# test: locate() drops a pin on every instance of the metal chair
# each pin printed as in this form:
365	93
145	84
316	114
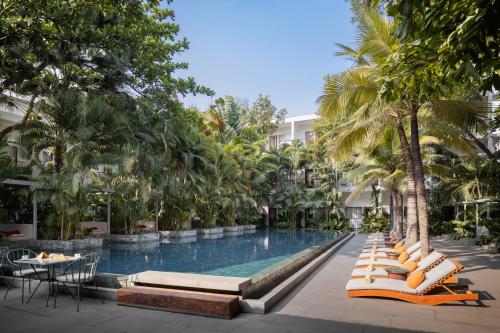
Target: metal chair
23	271
3	259
78	273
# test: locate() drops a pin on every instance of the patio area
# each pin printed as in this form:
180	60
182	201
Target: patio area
319	304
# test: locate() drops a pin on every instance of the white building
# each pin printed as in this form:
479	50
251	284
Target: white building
301	128
493	140
13	111
293	128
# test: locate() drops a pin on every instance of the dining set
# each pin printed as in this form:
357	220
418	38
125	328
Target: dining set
56	270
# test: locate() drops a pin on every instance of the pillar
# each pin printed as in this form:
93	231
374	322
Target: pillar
35	216
108	217
156	214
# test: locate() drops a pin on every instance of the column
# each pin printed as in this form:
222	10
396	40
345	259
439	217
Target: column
108	218
156	214
35	216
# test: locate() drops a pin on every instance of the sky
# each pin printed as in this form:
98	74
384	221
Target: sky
281	48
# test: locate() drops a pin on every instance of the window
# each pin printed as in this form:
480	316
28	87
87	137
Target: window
273	142
284	138
14	154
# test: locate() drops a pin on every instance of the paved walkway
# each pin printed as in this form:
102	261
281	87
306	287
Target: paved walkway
317	305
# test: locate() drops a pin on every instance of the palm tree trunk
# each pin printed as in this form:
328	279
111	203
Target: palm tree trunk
420	181
57	158
398	198
412	217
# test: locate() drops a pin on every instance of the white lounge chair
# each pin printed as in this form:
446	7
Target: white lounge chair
387	262
435	280
425	264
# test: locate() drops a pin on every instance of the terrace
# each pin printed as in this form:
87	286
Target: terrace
136	197
318	304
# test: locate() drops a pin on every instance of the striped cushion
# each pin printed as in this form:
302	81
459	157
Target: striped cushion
436	274
380	284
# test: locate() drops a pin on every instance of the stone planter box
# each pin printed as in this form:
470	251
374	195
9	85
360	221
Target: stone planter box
183	240
178	234
67	246
210	231
234	230
249	228
139	238
211	236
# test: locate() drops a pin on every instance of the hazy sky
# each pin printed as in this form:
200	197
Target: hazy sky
281	48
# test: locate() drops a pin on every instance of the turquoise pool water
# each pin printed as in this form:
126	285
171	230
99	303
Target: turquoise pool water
228	256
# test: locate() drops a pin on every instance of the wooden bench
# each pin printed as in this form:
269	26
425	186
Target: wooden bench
183	301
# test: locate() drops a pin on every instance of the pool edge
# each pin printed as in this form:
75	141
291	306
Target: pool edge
263	304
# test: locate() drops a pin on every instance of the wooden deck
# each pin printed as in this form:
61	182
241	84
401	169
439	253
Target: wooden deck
183	301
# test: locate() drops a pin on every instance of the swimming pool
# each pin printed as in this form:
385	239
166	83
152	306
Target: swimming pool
228	256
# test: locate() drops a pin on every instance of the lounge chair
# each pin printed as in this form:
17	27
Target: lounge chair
410	249
383	254
381	262
432	291
377	254
425	264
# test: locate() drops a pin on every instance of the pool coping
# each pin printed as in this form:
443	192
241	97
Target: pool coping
268	278
263	304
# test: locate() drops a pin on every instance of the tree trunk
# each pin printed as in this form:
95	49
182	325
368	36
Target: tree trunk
58	159
392	227
423	223
412	217
398	198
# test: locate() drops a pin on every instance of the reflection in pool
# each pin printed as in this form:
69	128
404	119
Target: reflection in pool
230	256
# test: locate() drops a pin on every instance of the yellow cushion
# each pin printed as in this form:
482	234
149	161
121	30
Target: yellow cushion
399	244
400	249
410	265
415	279
403	257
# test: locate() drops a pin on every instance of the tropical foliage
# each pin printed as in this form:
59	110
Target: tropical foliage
416	76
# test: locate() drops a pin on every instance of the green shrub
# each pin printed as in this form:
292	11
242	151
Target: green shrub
463	228
441	227
373	222
485	240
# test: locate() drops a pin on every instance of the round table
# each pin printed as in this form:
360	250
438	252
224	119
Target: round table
397	273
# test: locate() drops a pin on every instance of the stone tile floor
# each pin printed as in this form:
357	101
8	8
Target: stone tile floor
317	305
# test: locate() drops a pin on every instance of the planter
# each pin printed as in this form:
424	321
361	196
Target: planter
139	238
234	230
210	231
249	228
67	246
183	240
178	234
211	236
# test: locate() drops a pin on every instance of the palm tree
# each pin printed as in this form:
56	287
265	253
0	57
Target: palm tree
384	164
359	98
353	100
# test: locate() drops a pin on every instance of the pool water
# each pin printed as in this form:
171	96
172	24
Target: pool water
228	256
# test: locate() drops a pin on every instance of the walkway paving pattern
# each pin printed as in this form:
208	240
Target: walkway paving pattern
317	305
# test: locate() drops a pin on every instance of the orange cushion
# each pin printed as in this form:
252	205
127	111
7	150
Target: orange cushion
403	257
415	279
399	244
401	249
410	265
